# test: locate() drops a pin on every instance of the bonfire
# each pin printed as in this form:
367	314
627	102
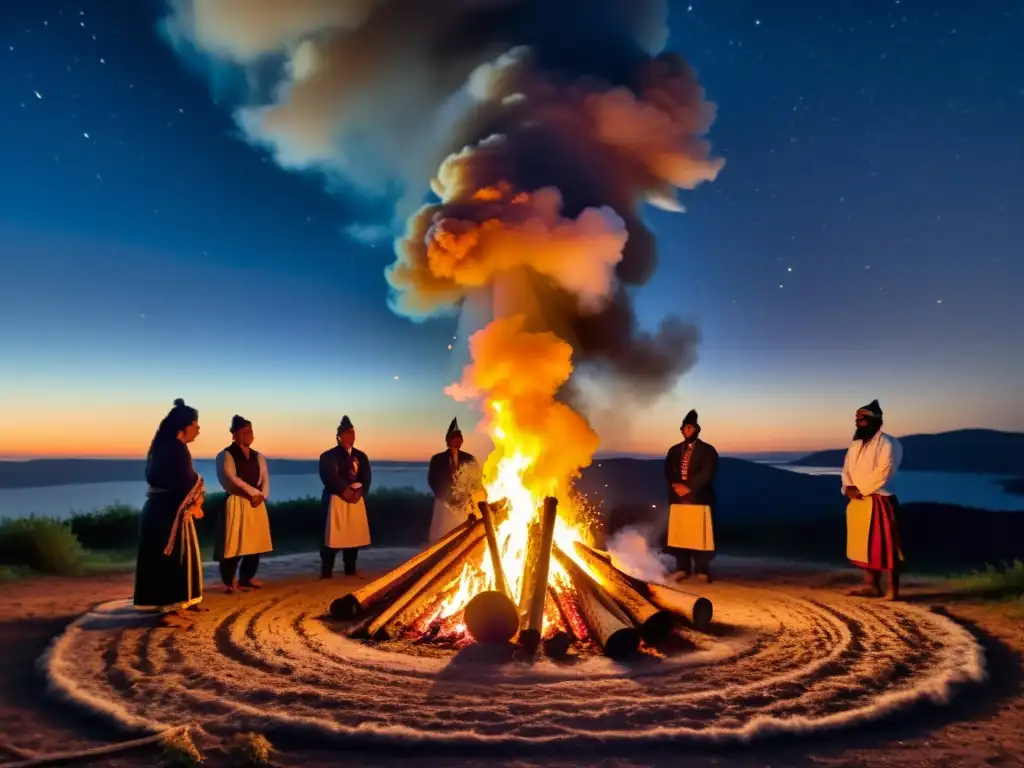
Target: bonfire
523	566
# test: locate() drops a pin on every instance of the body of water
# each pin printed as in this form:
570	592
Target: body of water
982	491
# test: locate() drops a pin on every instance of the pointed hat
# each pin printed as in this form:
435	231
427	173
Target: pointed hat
453	429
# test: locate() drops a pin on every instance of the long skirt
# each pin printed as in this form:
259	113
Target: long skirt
446	517
242	530
873	533
167	582
345	525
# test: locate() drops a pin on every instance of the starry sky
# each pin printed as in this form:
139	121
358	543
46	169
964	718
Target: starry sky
858	244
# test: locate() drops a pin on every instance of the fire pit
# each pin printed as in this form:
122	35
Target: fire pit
497	579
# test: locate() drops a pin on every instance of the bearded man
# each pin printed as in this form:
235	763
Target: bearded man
872	514
690	469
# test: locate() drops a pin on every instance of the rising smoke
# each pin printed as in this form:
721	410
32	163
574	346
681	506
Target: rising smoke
545	125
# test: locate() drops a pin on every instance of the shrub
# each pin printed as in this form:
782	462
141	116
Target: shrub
44	545
398	517
1004	579
113	527
250	749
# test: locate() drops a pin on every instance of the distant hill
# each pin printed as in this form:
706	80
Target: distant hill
39	473
977	451
746	490
763	509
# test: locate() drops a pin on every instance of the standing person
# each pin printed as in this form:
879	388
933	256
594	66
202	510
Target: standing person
169	568
872	514
243	533
690	469
345	473
450	477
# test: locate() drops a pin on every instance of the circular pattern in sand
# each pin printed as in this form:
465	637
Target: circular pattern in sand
273	662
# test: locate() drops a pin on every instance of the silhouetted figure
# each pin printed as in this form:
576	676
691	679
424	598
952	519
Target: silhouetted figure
690	469
452	477
345	473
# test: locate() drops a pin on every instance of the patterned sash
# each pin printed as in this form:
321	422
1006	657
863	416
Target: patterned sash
684	467
193	499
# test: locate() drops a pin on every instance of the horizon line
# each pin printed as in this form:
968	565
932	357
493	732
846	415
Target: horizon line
421	460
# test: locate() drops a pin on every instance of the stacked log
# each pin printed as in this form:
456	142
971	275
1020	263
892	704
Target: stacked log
601	603
427	586
609	627
535	577
695	609
393	583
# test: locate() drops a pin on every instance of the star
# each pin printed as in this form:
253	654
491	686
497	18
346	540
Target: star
38	94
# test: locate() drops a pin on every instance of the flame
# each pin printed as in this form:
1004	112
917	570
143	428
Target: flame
540	444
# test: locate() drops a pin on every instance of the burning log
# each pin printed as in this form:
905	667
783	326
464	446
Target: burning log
535	578
501	585
655	623
444	584
558	643
697	610
394	582
609	626
382	628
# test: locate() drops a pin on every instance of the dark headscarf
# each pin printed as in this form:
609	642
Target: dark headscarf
345	425
453	430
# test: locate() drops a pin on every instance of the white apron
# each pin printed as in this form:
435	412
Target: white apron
446	517
346	525
689	527
246	528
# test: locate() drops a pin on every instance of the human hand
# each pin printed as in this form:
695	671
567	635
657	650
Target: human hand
852	492
679	489
256	499
197	512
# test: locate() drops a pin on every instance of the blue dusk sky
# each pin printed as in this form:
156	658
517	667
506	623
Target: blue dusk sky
858	244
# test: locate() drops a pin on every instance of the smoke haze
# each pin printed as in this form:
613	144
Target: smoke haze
543	126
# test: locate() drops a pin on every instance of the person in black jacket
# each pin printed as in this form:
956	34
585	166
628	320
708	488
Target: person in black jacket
345	473
452	476
690	468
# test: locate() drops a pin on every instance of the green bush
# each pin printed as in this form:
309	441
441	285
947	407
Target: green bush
113	527
398	517
44	545
1005	579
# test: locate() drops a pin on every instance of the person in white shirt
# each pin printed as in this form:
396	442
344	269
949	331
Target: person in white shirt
873	543
243	531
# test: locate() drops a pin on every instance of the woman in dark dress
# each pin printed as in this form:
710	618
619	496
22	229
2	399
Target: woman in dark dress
169	568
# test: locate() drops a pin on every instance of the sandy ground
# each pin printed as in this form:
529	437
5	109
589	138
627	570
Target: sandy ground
984	726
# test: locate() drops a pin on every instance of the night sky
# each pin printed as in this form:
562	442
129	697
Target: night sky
859	243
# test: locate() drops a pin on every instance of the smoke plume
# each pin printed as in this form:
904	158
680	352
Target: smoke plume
545	124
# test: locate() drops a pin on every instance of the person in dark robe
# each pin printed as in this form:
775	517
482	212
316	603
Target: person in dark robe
872	515
345	473
243	531
169	568
690	469
452	476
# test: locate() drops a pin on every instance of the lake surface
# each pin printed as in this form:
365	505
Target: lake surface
982	491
